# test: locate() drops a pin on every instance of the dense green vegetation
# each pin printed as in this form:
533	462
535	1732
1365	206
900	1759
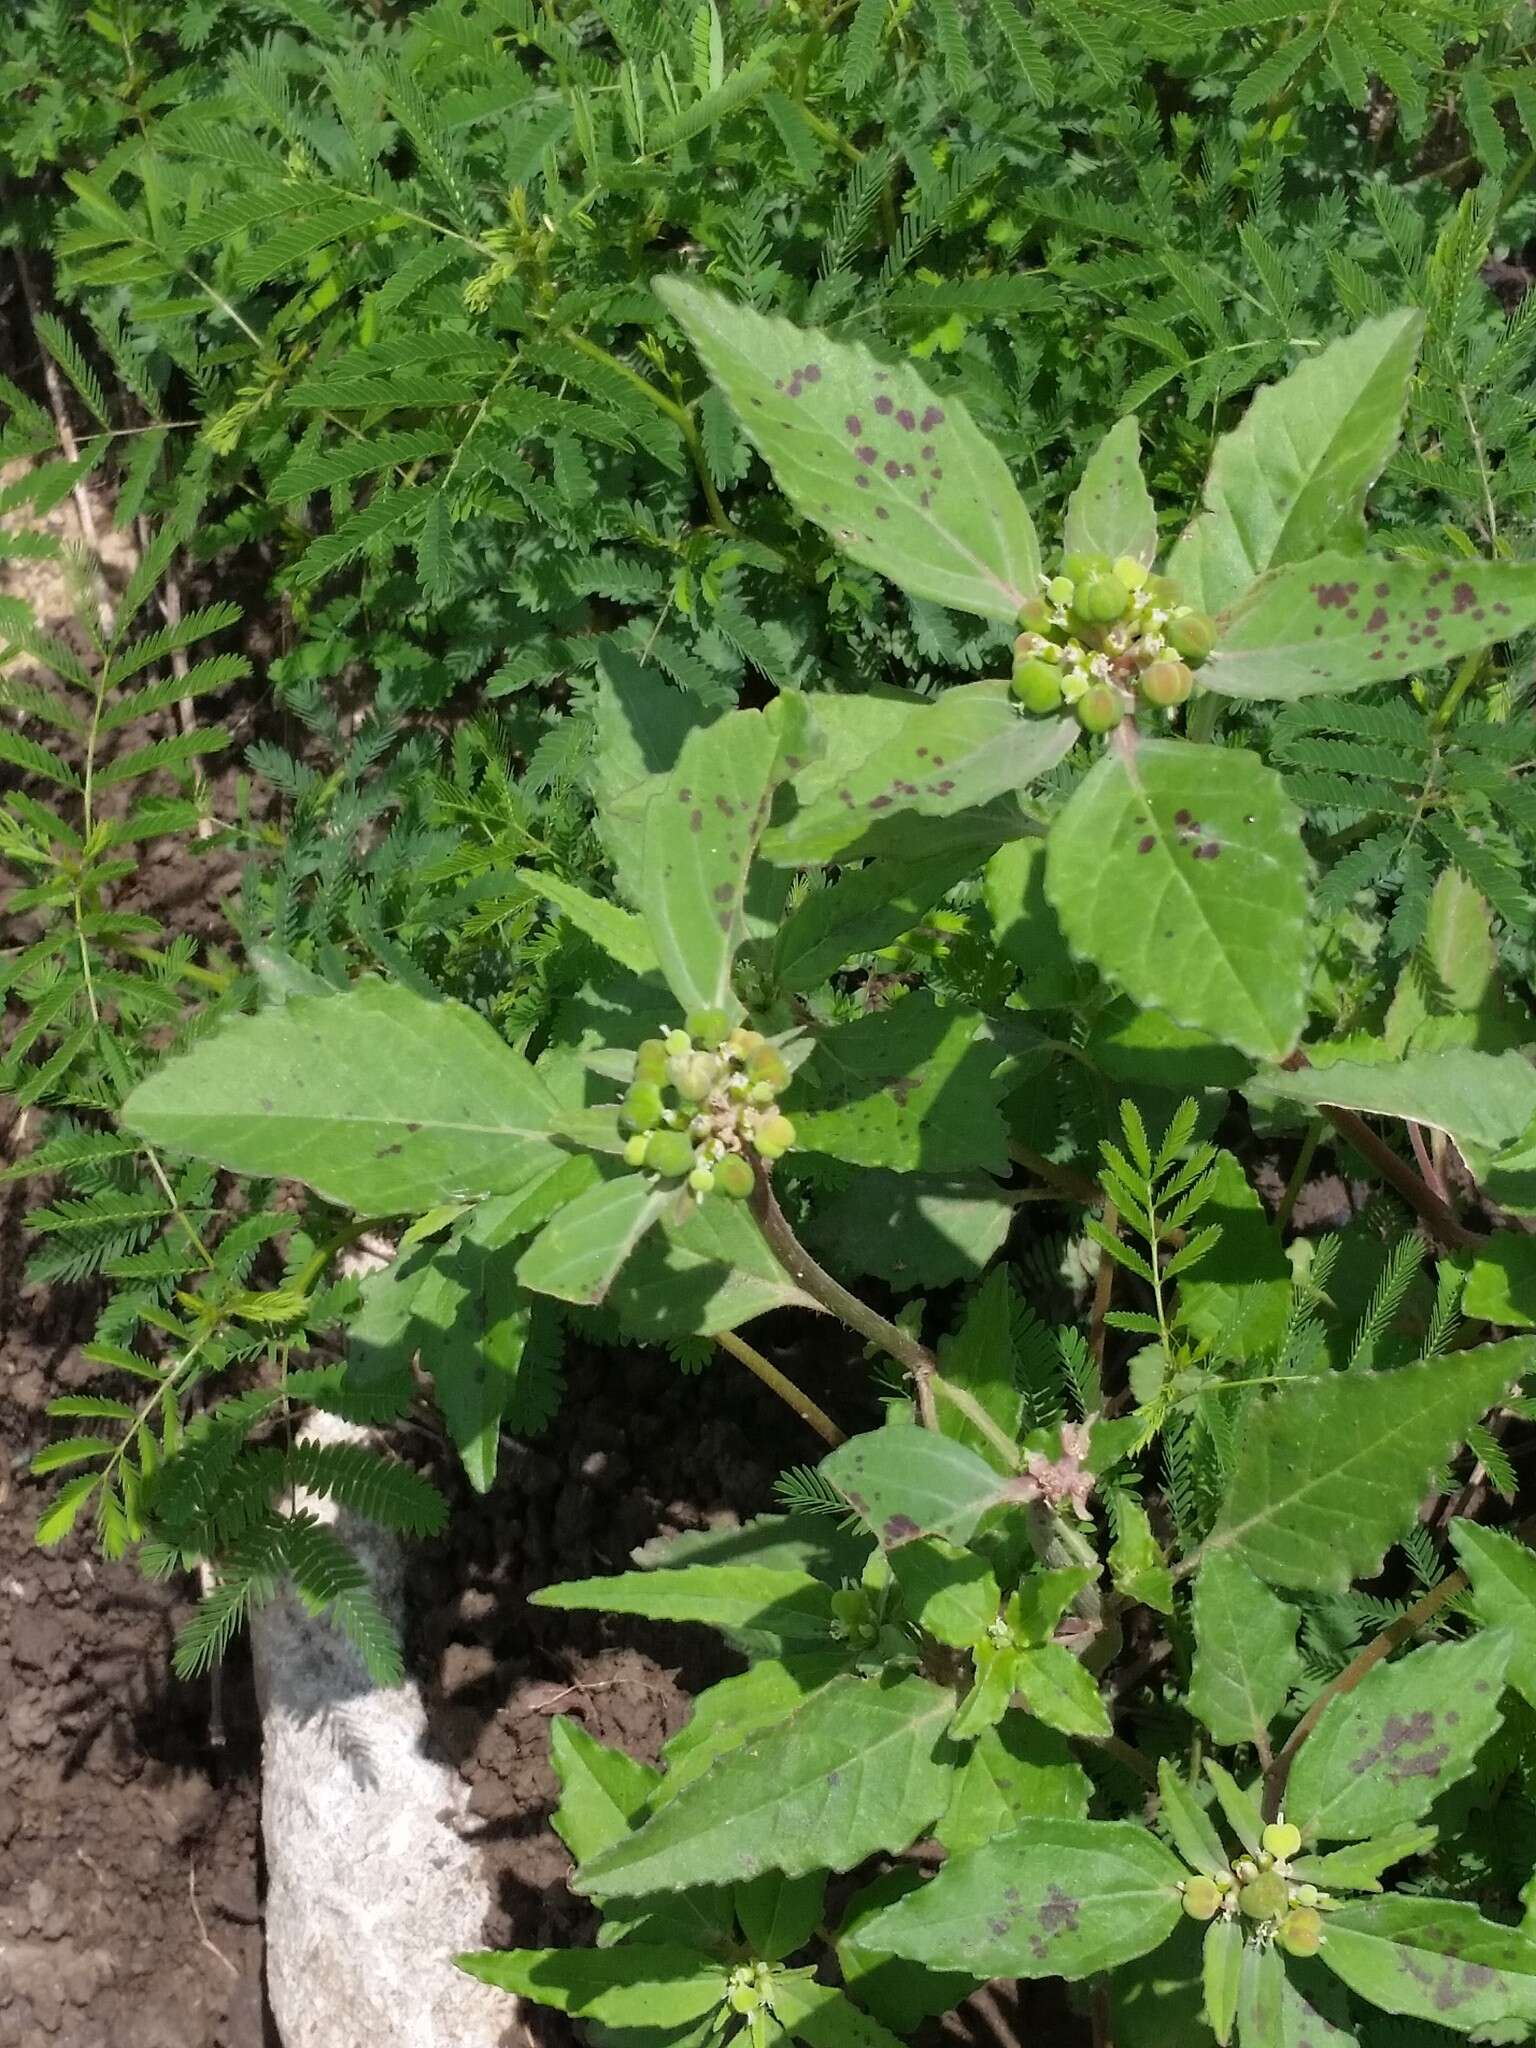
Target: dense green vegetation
827	752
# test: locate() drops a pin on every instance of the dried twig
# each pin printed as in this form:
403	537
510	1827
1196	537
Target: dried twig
59	407
202	1931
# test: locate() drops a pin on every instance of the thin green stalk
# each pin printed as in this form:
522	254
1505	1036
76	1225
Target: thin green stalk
679	415
967	1405
1450	703
791	1395
1299	1172
915	1358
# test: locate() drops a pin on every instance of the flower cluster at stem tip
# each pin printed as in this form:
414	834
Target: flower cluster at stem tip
1102	634
1262	1888
702	1101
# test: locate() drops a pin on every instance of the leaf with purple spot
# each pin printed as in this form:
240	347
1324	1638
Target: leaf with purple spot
1054	1898
957	753
1435	1960
1180	872
701	833
860	1766
900	476
1382	1754
906	1484
1337	622
1290	479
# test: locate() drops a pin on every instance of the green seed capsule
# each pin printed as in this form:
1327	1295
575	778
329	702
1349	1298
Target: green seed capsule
1191	634
733	1177
1060	589
669	1153
1131	572
676	1043
642	1106
1081	567
651	1062
1037	685
635	1148
1282	1838
1266	1898
774	1136
707	1027
1202	1901
1101	600
1305	1895
742	1040
1100	708
766	1063
1035	615
693	1075
1166	683
1300	1933
702	1180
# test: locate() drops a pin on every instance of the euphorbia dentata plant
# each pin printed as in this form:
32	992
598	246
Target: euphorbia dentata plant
949	1668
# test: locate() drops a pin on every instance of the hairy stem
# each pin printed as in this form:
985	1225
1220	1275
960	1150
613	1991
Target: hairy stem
791	1395
967	1405
1076	1185
914	1357
1423	1200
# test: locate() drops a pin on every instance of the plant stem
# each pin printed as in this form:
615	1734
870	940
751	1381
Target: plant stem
1103	1292
967	1405
1426	1165
797	1262
1299	1172
785	1388
679	415
1116	1746
1421	1199
309	1274
1450	703
1102	2017
1076	1185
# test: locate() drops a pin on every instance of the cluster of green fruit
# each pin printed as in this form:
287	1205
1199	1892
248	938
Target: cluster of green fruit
703	1100
1102	634
1259	1887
